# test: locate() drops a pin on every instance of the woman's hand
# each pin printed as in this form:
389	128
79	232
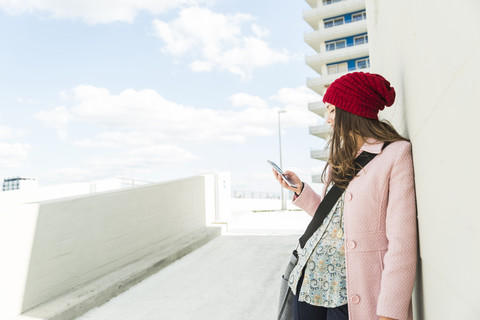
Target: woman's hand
296	180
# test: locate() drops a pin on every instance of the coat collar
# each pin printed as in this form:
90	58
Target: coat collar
371	145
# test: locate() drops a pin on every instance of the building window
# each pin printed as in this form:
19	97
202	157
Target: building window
359	16
360	40
327	2
334	22
363	63
334	45
337	68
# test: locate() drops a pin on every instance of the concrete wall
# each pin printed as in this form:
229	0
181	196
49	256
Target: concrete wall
429	51
219	195
51	247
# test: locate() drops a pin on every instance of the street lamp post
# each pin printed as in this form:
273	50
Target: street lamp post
280	148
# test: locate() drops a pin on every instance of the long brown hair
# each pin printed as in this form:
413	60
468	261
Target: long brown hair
343	146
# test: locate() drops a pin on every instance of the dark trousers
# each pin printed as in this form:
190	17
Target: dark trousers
305	311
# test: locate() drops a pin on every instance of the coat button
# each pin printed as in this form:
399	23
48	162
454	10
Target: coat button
355	299
348	196
351	244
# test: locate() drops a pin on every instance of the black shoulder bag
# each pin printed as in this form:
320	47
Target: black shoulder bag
285	310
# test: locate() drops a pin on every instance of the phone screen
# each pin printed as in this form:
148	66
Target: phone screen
280	171
277	168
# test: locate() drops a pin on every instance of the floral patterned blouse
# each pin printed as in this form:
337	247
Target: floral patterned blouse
323	257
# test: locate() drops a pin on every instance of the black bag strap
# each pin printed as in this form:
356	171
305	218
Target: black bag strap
332	197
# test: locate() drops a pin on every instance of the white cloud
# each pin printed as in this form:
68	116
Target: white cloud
295	101
136	118
245	99
13	155
57	119
127	162
296	96
136	132
94	11
259	31
216	41
7	132
148	112
27	100
201	66
116	140
147	157
69	174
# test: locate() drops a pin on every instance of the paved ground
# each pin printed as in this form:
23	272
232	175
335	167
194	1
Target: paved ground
235	276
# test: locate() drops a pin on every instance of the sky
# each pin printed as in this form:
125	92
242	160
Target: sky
154	90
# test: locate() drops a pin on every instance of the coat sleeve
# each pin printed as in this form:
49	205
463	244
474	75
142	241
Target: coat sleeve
398	275
308	200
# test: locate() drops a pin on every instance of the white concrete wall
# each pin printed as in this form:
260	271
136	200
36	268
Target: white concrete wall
51	247
223	192
219	195
17	232
429	51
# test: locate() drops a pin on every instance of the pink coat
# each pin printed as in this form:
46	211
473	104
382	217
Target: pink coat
380	233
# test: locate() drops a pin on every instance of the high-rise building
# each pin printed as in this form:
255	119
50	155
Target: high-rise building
19	183
340	41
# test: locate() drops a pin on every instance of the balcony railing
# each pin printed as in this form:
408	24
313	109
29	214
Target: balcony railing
317	14
318	60
329	2
320	84
314	39
312	3
321	131
317	107
255	195
319	154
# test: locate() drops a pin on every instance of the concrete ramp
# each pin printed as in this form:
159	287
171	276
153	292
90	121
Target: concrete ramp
233	277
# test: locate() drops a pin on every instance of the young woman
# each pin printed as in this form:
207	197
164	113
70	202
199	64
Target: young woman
360	264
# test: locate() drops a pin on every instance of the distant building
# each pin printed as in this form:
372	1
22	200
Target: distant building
340	40
19	183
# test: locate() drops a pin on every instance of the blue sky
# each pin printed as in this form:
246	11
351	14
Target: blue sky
154	90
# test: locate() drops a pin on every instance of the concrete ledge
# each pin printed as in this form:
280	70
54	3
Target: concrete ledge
93	294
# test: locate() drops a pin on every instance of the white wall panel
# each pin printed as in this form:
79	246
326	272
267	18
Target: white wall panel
428	50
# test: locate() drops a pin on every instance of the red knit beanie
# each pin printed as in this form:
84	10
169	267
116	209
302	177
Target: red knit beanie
360	93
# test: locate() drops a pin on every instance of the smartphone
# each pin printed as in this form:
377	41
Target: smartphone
280	171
